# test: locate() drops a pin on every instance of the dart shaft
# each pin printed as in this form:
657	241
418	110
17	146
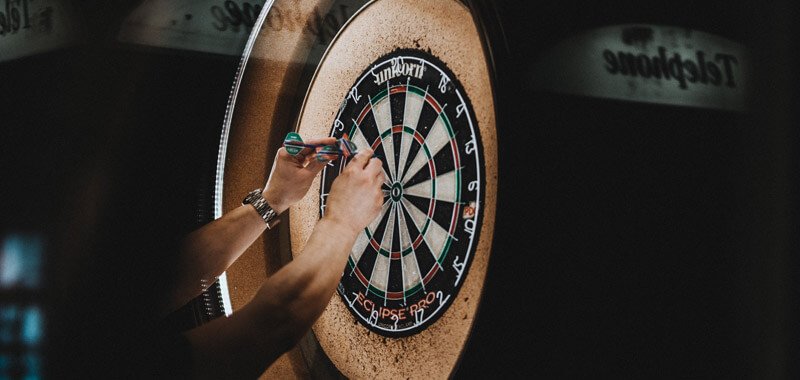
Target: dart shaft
342	154
302	145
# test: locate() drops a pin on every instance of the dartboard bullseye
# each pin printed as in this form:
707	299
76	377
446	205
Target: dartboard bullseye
407	266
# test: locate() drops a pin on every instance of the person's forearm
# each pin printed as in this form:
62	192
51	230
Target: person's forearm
305	285
282	311
210	250
289	302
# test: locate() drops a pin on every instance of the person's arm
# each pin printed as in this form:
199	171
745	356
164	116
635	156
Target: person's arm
211	249
289	302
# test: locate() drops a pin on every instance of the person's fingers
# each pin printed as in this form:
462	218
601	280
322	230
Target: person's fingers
315	166
361	159
283	156
321	140
374	167
283	153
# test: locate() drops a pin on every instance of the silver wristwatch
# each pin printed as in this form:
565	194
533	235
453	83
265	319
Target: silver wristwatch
256	199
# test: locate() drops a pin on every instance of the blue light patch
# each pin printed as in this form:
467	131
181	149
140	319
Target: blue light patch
21	261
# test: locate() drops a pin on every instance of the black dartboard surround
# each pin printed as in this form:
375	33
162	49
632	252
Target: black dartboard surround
408	265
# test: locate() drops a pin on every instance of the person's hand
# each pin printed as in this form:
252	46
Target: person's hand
291	176
355	199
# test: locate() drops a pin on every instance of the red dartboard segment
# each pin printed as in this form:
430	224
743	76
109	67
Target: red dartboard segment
364	113
374	243
394	295
361	277
430	274
419	138
433	103
397	89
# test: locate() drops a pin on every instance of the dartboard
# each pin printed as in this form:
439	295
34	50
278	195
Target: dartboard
409	262
412	80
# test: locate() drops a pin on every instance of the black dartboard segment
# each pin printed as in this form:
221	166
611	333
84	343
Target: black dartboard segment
407	266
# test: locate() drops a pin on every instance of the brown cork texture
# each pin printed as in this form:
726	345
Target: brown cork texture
446	29
261	118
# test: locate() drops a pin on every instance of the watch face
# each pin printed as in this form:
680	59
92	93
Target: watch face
407	266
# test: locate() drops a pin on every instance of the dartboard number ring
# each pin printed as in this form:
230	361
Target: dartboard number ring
407	266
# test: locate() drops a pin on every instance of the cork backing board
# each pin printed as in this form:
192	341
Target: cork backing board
444	28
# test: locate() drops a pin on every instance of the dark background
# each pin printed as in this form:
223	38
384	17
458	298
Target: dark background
632	240
638	240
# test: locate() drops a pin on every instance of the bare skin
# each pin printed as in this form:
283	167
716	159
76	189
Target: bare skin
288	303
211	249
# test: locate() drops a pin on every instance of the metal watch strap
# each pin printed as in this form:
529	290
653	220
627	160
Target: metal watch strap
256	199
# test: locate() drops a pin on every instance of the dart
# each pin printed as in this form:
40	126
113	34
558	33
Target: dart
294	144
343	147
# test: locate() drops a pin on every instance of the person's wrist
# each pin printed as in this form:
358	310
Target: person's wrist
274	201
340	225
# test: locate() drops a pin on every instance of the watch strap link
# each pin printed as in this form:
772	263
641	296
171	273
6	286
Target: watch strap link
256	199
